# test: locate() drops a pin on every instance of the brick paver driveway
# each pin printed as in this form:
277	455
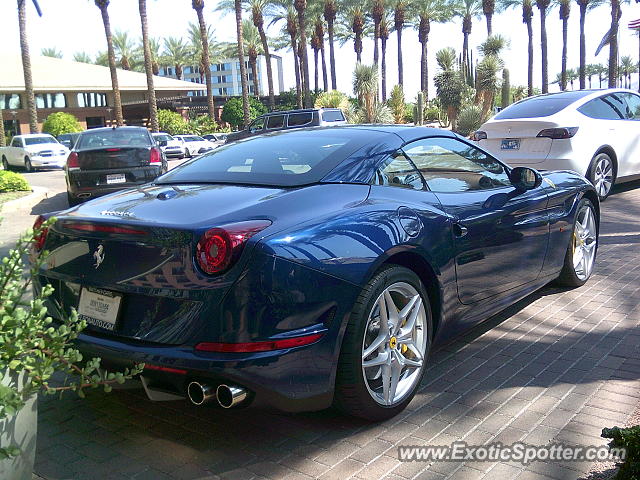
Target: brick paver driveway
559	366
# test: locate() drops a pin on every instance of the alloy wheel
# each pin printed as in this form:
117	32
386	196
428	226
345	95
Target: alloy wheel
585	240
394	344
603	175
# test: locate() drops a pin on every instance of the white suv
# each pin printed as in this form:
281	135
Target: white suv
194	145
169	145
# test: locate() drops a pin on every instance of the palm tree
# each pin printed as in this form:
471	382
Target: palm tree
365	87
125	50
198	6
289	16
51	52
384	36
616	13
590	70
488	8
253	47
572	76
102	59
585	6
603	72
356	27
426	12
243	67
258	9
82	57
377	12
627	67
148	66
301	8
542	6
527	19
154	50
565	11
467	10
111	57
26	67
319	32
317	45
176	53
449	84
195	48
330	11
399	22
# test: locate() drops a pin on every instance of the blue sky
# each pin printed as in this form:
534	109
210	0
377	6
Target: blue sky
75	25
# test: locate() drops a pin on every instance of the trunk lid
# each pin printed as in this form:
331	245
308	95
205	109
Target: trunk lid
113	158
531	149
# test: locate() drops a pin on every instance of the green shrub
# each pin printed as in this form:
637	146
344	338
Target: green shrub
469	120
61	122
173	123
629	439
13	182
232	111
203	124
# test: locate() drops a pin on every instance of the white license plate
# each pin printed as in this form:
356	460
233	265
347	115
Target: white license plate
510	144
116	178
99	307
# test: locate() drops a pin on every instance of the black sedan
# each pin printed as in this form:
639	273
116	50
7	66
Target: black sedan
105	160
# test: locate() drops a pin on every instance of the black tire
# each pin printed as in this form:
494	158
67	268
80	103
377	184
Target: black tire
594	173
351	394
27	165
5	164
187	153
568	276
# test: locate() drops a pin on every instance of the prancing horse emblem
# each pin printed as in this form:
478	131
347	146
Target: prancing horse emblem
98	255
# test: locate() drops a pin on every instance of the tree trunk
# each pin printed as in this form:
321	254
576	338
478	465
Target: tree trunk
383	68
243	67
26	67
613	44
530	62
332	56
148	67
357	41
583	47
424	71
267	58
207	62
325	81
489	17
315	70
563	73
400	70
543	45
296	66
465	50
376	35
112	67
304	59
253	62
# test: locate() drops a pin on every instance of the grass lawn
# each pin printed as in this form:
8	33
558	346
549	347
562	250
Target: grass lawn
5	197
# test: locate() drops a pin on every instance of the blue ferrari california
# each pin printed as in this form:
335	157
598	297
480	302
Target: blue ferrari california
313	267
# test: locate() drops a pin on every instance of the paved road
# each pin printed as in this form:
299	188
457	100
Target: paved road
557	367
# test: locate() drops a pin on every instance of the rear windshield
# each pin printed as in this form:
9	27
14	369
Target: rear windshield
193	139
332	116
298	157
38	140
535	107
163	138
114	138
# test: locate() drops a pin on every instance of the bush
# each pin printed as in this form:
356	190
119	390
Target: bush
61	122
629	439
469	120
203	124
13	182
233	114
173	123
332	99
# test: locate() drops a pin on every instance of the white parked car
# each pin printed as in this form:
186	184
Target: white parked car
194	144
169	145
34	151
593	132
218	139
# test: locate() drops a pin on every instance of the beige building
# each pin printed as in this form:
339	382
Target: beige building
81	89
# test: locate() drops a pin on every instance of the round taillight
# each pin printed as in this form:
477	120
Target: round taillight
214	251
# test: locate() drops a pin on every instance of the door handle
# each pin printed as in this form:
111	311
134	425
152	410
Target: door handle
459	230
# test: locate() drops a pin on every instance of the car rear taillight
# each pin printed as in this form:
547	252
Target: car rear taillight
154	156
40	233
478	135
72	160
558	133
219	248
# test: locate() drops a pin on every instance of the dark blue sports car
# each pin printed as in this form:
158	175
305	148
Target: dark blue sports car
314	267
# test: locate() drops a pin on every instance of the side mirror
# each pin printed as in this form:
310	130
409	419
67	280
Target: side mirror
525	178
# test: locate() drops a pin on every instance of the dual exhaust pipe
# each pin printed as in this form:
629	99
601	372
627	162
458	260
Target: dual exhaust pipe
227	396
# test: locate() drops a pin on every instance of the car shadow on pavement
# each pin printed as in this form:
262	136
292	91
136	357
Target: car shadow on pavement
54	203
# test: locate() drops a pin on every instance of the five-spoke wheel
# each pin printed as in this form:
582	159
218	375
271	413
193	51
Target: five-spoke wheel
583	245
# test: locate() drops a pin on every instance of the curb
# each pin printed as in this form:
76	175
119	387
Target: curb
37	194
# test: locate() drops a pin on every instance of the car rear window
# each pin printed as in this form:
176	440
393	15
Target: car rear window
299	119
298	157
39	140
332	116
163	138
114	138
535	107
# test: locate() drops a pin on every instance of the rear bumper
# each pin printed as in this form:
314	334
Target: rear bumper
92	183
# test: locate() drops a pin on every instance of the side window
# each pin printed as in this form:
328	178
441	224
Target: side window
16	142
299	119
398	171
601	108
449	165
257	124
633	105
275	121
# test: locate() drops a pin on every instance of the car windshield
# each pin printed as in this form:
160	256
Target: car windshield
193	139
39	140
543	106
114	138
163	138
290	159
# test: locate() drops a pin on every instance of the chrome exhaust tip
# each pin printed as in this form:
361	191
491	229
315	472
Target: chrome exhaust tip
199	393
84	195
230	396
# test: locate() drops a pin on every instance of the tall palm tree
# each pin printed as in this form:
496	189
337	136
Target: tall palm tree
195	48
176	53
424	13
317	45
385	23
543	5
154	49
330	11
319	31
243	67
489	8
571	75
82	57
26	67
355	27
301	7
616	13
125	50
399	22
527	19
590	70
102	59
198	6
148	66
365	86
377	12
468	10
51	52
627	67
258	10
565	11
287	14
111	57
252	44
585	6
